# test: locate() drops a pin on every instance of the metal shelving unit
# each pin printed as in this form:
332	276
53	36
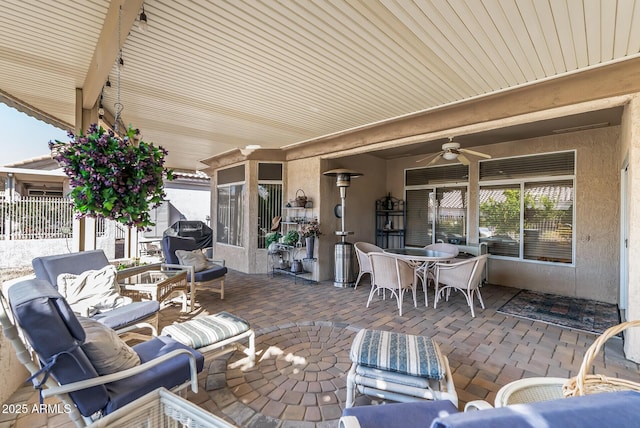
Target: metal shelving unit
390	222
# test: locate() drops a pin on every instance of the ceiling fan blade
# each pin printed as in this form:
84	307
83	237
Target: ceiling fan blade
463	160
473	152
434	160
429	157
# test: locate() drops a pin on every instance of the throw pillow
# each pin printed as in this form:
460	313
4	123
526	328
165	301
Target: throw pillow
195	258
105	349
92	291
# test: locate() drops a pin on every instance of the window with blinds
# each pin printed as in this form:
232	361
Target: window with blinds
419	222
499	224
436	211
527	212
269	197
230	209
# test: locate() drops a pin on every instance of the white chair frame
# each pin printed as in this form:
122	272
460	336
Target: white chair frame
393	274
464	276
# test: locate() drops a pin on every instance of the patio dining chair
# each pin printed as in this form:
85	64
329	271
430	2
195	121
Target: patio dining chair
427	270
464	276
362	253
393	274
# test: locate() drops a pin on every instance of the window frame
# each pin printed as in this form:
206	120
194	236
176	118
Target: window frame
277	213
228	186
523	182
433	189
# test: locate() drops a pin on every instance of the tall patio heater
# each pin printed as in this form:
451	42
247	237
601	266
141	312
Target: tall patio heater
344	265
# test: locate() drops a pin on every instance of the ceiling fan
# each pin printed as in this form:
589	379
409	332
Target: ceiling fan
451	151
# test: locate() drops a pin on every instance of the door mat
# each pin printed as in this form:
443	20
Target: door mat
580	314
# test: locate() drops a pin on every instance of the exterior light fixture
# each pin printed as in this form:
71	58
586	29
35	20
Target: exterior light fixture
142	23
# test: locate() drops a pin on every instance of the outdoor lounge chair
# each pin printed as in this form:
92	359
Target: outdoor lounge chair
213	270
122	319
398	367
615	409
66	351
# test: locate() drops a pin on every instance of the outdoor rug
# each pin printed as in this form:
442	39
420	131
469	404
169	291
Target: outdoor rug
580	314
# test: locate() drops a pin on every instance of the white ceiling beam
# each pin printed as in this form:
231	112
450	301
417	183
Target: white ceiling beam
106	51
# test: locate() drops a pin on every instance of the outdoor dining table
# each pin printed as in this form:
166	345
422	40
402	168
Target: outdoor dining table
421	259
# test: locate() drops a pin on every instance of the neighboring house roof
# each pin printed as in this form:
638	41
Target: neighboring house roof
44	162
44	169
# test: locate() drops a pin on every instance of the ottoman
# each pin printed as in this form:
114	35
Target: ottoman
222	331
398	367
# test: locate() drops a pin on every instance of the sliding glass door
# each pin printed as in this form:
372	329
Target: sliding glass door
436	214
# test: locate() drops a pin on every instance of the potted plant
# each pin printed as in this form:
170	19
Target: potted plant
272	238
291	238
116	178
309	231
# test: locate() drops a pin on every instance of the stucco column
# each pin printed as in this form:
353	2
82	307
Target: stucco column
632	340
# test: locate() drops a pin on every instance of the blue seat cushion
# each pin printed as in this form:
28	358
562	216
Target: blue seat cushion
170	244
200	332
169	374
416	414
210	273
49	267
609	409
128	314
55	334
397	352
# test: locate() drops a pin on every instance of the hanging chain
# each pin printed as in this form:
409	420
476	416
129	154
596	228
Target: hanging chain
118	105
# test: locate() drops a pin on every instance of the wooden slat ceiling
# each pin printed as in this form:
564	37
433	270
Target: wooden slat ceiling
210	76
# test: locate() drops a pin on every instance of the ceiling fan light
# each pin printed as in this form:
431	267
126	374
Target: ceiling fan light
449	155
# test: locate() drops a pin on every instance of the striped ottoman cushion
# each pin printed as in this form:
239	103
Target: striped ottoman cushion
397	352
200	332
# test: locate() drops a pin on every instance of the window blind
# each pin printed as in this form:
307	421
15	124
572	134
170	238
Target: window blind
545	165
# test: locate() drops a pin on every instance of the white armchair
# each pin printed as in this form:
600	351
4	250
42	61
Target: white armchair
393	274
362	251
464	276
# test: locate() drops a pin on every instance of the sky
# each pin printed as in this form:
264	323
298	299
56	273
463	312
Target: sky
23	137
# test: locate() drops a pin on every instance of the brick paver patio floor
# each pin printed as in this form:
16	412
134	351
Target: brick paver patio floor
303	335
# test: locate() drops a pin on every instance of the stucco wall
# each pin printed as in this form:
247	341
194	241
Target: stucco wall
236	258
360	202
19	253
193	204
631	130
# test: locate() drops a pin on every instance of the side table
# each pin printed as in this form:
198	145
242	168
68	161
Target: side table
156	284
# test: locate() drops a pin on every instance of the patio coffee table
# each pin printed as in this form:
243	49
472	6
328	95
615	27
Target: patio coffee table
162	408
156	284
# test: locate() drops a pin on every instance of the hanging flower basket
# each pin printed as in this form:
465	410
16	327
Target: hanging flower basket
112	177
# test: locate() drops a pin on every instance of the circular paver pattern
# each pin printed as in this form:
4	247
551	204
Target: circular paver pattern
299	375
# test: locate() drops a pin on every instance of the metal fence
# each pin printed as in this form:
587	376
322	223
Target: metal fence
36	217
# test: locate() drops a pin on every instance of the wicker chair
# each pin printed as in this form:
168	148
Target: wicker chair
362	251
586	383
393	274
464	276
427	270
530	390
